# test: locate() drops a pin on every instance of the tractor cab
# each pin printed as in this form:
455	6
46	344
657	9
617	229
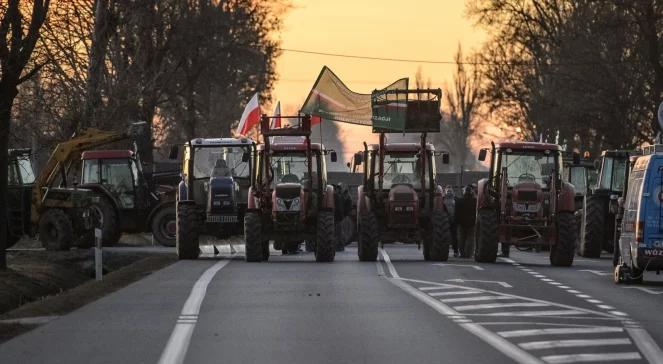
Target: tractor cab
117	171
20	180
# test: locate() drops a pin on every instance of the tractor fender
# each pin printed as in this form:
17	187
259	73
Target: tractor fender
155	209
182	193
566	198
328	198
363	202
103	191
482	194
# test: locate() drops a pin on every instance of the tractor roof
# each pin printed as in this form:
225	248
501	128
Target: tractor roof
13	153
528	146
619	153
285	147
401	147
107	154
221	141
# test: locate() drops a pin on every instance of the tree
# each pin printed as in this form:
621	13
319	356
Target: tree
17	42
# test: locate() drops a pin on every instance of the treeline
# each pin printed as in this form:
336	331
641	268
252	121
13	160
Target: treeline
586	73
185	67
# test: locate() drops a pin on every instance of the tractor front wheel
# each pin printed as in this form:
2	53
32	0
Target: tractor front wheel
56	231
107	221
561	254
485	236
187	234
253	234
164	226
325	246
593	227
438	238
367	248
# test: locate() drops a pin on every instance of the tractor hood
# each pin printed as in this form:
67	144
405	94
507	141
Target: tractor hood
527	199
287	197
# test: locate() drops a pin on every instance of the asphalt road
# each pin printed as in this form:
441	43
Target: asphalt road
401	309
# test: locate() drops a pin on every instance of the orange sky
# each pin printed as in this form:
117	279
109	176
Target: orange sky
429	30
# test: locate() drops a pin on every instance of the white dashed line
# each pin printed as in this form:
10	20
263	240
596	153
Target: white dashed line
552	344
560	331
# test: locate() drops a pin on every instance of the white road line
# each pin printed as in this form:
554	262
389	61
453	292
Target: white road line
488	306
560	331
606	307
646	344
536	313
512	351
650	291
392	269
453	293
434	288
178	343
476	267
577	358
472	299
552	344
380	269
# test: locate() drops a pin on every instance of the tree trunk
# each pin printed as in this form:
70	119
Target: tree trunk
100	37
7	95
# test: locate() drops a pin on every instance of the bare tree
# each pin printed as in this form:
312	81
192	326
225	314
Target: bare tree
17	41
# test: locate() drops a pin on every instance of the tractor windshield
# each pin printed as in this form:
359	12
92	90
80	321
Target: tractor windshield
220	161
402	168
578	178
525	166
293	168
613	174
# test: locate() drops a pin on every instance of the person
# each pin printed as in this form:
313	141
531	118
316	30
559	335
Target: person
220	169
466	209
449	200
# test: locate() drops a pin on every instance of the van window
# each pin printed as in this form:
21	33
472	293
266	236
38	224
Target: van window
632	200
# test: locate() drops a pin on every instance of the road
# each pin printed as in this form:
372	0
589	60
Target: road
400	309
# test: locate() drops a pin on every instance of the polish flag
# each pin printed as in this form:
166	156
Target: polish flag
250	117
276	122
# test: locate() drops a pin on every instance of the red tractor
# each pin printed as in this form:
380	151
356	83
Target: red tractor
290	200
525	202
399	199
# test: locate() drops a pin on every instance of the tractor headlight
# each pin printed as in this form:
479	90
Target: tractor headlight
295	204
398	208
409	208
280	205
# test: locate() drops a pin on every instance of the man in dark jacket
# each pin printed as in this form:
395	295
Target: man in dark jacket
466	210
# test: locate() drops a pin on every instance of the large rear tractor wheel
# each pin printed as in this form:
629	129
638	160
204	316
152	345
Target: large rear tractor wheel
325	246
107	221
164	226
593	227
438	238
561	254
56	231
367	247
485	249
253	235
187	235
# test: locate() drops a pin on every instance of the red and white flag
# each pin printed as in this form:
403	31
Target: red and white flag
250	116
276	121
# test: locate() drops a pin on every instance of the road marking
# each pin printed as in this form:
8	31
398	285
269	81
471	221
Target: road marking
453	293
434	288
535	313
460	280
606	307
380	269
387	260
560	331
553	344
459	265
505	347
575	358
646	344
178	343
472	299
597	272
487	306
650	291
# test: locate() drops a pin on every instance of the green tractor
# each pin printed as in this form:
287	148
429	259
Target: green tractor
600	205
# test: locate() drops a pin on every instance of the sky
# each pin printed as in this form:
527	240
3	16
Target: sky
415	29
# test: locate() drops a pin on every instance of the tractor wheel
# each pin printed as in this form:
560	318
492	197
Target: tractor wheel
56	231
107	221
616	253
265	250
187	232
438	237
594	226
367	247
561	254
340	236
325	246
485	236
164	226
253	235
309	246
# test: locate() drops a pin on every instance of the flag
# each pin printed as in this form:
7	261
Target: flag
250	116
276	122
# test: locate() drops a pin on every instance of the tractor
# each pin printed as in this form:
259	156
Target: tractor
601	209
130	201
21	178
580	172
216	176
525	202
290	200
399	199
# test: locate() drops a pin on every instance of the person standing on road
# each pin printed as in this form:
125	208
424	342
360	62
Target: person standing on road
466	210
449	201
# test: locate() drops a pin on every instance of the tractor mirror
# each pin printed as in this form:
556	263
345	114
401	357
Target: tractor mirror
359	159
445	158
174	151
482	154
334	157
576	158
246	157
